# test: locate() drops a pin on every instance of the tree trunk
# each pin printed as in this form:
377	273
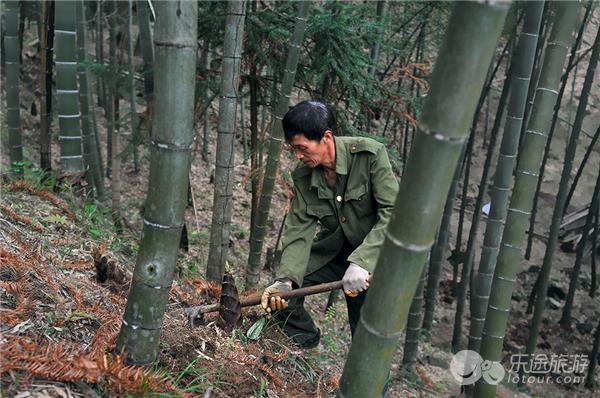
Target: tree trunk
13	115
224	163
439	249
468	47
561	92
382	10
509	258
66	87
147	48
521	69
135	134
91	159
465	277
590	381
206	87
561	196
588	152
100	81
275	144
46	55
113	118
108	99
413	327
592	212
170	156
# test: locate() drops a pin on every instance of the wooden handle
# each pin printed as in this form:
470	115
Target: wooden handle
193	312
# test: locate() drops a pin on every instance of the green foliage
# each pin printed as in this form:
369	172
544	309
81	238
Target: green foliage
263	387
254	332
192	379
57	219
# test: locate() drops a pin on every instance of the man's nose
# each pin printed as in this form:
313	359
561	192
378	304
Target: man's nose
298	155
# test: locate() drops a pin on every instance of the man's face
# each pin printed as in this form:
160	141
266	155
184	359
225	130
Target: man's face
310	152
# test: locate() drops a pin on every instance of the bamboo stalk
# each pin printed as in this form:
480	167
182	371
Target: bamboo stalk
67	92
521	70
510	255
468	47
224	163
561	196
170	155
275	146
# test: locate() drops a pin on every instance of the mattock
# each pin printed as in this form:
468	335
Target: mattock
230	305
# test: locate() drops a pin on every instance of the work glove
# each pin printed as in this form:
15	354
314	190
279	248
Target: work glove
355	280
270	301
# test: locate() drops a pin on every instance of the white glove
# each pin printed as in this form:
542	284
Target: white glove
355	280
270	301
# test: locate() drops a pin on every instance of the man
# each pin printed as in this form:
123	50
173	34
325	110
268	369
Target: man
344	187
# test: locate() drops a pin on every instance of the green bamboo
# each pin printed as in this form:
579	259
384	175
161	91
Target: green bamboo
382	11
561	196
580	169
519	210
521	69
46	67
468	47
170	157
206	87
147	48
583	243
413	327
132	110
593	270
90	151
590	381
66	87
275	145
113	118
565	78
243	130
13	117
110	80
466	166
465	277
224	163
100	84
439	249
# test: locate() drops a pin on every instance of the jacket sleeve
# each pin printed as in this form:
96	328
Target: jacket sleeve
298	234
385	189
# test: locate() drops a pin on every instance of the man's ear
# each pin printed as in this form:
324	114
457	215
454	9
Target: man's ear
328	134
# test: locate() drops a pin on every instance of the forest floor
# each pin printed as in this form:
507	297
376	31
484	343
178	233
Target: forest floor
58	322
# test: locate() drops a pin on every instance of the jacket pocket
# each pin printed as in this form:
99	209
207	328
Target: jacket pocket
358	199
324	213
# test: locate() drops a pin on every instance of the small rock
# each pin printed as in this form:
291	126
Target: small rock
554	304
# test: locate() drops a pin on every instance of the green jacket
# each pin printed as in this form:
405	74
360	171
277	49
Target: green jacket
359	210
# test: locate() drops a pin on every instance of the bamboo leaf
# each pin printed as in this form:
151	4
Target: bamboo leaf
254	332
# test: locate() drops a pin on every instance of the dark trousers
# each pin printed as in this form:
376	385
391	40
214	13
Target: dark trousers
296	321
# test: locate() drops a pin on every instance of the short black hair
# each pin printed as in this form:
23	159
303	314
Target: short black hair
311	118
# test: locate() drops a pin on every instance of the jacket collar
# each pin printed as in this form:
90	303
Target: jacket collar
317	178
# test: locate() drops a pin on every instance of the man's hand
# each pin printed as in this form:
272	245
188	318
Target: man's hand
270	301
355	280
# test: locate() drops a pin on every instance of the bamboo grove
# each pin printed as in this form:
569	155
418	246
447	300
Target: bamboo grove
488	110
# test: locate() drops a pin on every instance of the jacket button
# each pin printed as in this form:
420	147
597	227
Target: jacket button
338	198
354	147
343	219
